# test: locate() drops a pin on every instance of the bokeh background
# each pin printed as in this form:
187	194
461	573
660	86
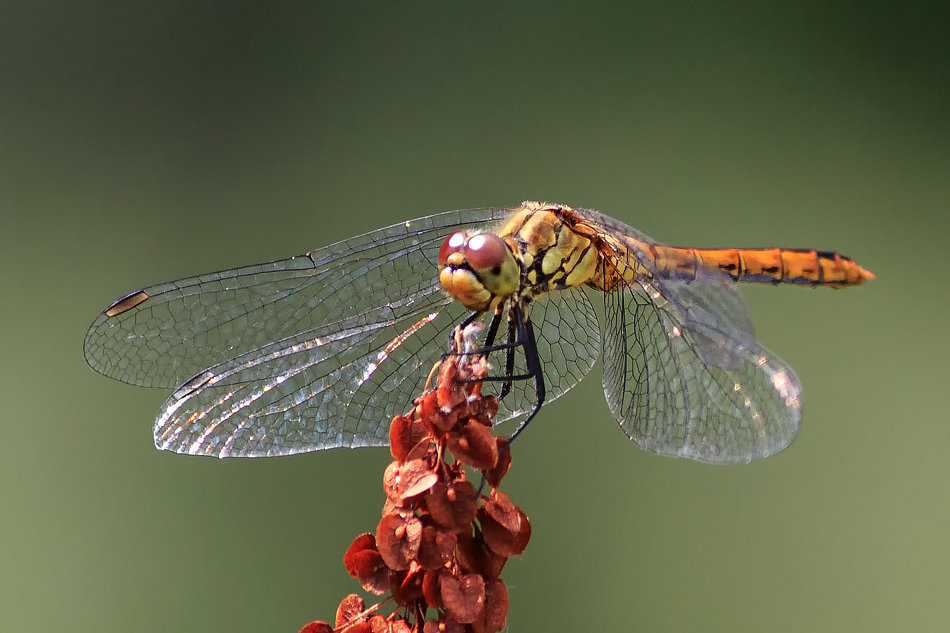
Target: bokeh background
141	142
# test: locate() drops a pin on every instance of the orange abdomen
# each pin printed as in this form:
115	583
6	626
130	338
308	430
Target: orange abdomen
763	265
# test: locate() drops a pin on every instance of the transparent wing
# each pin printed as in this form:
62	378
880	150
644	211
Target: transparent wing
683	374
336	385
316	351
684	380
340	385
567	335
184	326
300	354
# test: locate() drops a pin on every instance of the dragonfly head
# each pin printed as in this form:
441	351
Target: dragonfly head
478	270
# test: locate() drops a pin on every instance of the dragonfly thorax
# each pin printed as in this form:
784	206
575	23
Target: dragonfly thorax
554	253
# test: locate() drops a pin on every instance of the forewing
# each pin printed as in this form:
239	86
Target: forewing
337	385
340	385
685	378
186	326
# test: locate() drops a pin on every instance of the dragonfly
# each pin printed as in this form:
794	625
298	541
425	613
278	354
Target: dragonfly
322	350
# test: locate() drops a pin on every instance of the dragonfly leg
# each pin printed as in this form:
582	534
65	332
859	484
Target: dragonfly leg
520	334
526	340
490	336
509	361
533	364
493	328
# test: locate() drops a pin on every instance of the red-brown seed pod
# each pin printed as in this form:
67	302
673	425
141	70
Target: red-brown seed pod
349	610
476	557
437	547
397	626
464	597
407	585
509	539
431	592
453	505
397	539
445	624
404	434
378	624
363	561
433	417
493	617
415	478
495	474
474	445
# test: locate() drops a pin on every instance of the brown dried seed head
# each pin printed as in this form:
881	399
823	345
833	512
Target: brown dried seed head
391	482
405	433
474	445
488	406
397	539
317	626
363	561
463	598
350	608
407	585
430	587
437	547
445	624
392	507
495	613
422	450
360	543
501	539
434	418
476	557
495	474
378	624
415	478
501	508
453	505
400	626
448	391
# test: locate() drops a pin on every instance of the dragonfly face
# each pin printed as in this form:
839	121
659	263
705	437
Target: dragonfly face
479	271
322	350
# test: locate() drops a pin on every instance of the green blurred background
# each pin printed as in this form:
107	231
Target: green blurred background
141	142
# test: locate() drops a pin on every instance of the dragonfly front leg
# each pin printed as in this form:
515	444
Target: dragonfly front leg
520	335
532	361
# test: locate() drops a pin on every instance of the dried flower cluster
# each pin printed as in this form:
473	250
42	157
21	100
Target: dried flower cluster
441	545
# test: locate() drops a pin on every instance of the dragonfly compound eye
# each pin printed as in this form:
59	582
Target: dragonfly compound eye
477	270
486	252
452	244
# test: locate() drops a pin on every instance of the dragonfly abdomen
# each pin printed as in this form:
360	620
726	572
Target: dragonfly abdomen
763	265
